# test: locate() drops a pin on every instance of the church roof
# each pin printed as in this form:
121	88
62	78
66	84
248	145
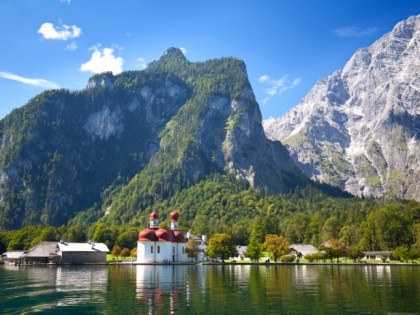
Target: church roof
154	215
161	235
154	234
174	215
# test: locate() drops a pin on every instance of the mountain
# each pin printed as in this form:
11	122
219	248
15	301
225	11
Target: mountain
359	128
129	140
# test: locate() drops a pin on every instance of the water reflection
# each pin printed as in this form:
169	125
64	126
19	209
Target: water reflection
270	289
214	289
71	282
46	288
161	287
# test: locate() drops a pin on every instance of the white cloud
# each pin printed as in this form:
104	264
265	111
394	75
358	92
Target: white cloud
276	87
32	82
117	47
355	31
264	78
95	47
184	50
102	61
61	32
65	1
72	46
141	63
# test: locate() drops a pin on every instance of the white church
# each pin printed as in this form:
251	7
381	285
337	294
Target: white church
158	245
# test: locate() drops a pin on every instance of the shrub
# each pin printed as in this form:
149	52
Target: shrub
287	259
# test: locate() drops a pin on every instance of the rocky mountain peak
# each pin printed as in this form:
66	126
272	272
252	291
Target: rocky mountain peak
173	53
143	136
359	128
105	79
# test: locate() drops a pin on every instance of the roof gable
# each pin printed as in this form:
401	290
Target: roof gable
43	249
14	254
303	248
82	247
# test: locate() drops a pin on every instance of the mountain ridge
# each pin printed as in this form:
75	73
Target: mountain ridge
143	135
359	128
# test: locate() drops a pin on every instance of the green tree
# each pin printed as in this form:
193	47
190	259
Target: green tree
369	235
48	233
163	225
221	246
348	235
116	251
310	257
259	229
416	235
254	250
393	226
314	228
331	229
338	248
414	252
192	248
402	253
354	253
133	252
328	252
125	252
3	241
103	234
75	234
287	258
128	238
315	257
276	245
296	227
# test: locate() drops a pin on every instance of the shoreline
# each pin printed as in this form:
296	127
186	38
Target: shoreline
364	264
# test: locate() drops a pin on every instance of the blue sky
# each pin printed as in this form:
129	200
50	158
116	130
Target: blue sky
287	45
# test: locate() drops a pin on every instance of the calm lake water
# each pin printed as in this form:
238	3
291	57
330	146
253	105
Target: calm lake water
240	289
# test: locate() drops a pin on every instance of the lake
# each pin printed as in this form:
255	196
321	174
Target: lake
211	289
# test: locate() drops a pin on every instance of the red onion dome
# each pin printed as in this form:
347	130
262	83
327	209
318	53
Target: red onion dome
174	215
148	235
163	235
179	237
154	215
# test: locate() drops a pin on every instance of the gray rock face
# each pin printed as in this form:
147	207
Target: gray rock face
103	79
240	146
104	124
359	128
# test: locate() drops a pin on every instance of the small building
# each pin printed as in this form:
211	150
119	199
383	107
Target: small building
82	253
65	253
301	250
241	253
201	244
42	253
377	255
13	256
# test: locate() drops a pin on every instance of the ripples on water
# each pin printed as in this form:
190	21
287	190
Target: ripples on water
240	289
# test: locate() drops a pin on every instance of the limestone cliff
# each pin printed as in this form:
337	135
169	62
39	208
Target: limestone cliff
359	128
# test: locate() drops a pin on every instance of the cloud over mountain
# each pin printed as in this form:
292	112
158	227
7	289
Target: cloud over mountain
103	61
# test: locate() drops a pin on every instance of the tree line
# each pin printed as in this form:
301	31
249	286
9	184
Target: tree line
222	205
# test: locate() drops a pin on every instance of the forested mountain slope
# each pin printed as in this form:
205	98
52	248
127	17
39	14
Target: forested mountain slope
130	140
